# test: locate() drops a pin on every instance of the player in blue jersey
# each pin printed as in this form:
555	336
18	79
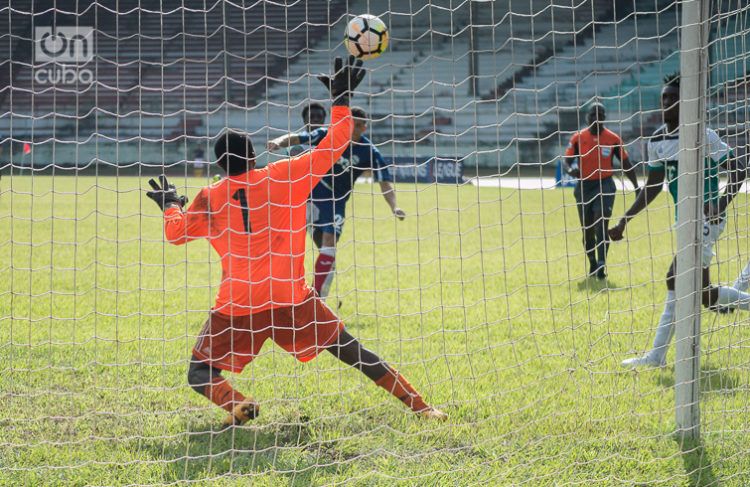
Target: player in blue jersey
314	117
327	205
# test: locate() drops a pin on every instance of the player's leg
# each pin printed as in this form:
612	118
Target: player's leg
603	212
325	232
325	265
657	356
719	298
312	326
208	381
351	352
589	232
220	339
743	280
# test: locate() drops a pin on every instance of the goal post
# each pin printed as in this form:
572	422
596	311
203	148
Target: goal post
688	274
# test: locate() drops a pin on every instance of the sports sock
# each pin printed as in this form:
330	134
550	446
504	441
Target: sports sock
729	296
397	385
743	280
222	394
324	267
665	329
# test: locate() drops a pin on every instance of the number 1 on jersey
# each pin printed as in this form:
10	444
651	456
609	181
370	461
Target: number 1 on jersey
240	196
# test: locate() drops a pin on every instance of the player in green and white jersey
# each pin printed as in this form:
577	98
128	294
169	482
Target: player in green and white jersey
663	154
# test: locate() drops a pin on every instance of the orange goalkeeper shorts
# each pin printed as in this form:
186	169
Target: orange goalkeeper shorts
231	342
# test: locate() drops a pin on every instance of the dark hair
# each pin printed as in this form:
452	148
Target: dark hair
358	112
234	153
597	107
312	105
672	80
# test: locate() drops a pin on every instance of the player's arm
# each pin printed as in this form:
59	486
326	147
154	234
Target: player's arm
293	179
283	141
381	173
312	138
304	172
654	185
627	167
735	167
570	160
179	227
389	193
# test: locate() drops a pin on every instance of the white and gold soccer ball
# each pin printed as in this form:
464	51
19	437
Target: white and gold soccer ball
366	37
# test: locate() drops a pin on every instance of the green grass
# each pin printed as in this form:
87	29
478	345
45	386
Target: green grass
479	298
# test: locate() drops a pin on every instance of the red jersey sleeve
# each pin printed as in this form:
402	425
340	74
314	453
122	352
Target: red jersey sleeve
572	149
293	179
181	227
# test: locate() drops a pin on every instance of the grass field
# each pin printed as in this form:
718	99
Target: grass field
479	298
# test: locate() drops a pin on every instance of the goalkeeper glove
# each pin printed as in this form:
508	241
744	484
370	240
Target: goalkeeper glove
345	79
166	195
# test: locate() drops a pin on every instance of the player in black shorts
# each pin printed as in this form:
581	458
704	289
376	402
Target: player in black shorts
589	159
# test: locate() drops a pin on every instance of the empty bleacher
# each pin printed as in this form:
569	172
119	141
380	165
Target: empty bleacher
172	74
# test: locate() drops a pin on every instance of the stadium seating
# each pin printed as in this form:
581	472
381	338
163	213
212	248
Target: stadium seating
169	71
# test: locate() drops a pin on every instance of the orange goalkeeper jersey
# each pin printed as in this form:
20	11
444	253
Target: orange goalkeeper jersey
256	222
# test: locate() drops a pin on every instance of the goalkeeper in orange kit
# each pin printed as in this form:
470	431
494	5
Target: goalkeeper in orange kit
255	219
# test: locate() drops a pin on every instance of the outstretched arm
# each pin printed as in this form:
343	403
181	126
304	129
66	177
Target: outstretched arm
302	173
283	141
654	185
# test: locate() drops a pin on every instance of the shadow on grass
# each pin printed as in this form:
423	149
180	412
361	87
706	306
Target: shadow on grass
698	466
594	284
712	380
288	450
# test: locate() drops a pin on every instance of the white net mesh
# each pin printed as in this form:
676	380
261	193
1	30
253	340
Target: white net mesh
480	297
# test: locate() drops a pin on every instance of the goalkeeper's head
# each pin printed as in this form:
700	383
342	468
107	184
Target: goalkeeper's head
234	153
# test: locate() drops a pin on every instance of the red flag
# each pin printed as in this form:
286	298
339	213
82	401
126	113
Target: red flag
26	148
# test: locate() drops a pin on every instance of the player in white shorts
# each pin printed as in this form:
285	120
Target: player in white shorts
663	154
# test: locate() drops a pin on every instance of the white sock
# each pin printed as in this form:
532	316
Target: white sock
729	296
743	280
665	329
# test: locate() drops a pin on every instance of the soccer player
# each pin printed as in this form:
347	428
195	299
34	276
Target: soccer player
327	206
663	153
255	220
314	117
589	159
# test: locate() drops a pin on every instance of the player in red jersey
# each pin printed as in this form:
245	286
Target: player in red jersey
255	219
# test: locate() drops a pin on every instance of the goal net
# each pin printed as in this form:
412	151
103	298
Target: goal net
483	296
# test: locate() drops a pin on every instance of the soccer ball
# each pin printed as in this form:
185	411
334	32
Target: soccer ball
366	37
